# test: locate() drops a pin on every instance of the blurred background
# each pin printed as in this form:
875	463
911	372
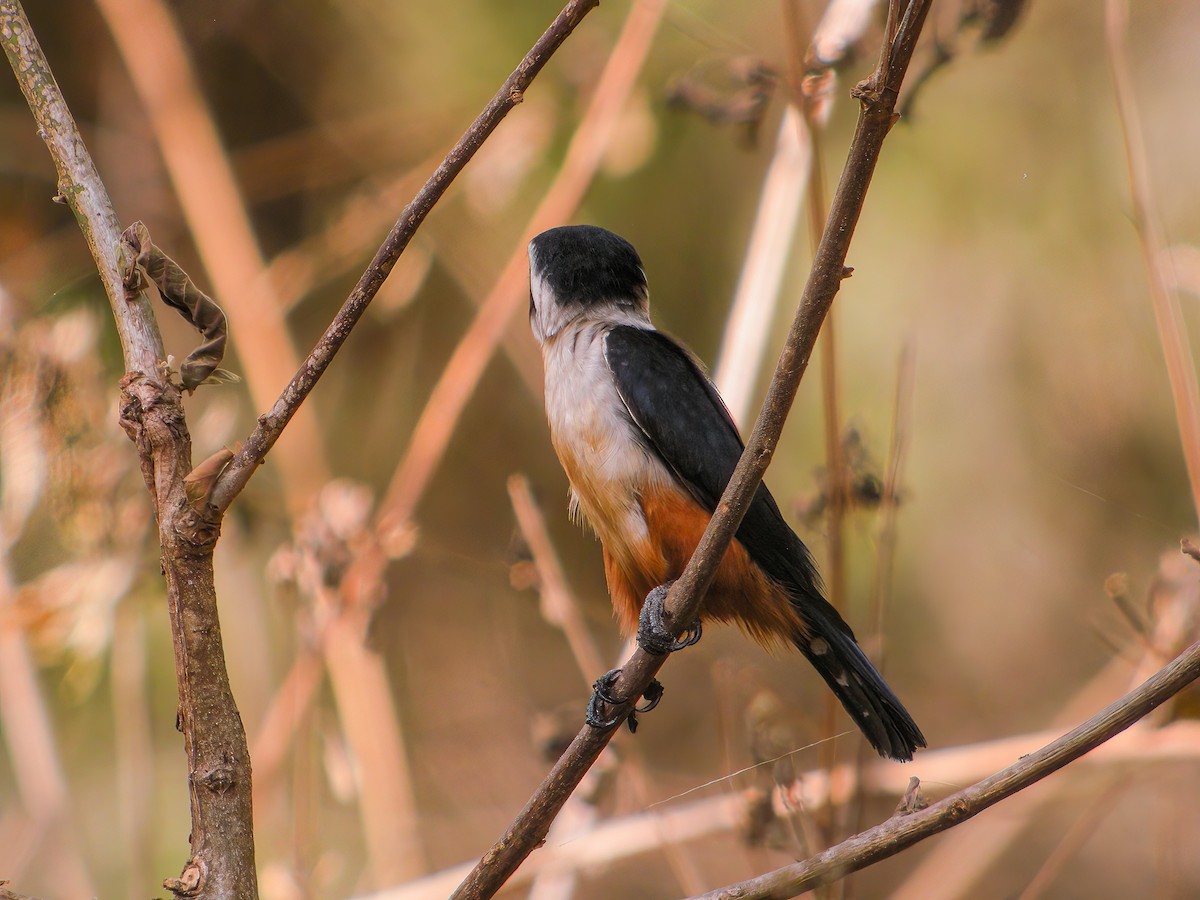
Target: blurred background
988	467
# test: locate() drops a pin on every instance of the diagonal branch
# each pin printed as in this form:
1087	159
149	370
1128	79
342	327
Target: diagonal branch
271	425
902	831
878	96
80	187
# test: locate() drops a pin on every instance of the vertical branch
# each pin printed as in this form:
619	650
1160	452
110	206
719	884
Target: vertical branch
222	837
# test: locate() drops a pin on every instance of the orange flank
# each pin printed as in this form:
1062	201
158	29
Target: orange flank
741	592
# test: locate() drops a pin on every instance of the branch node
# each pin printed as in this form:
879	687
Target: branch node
190	880
1189	547
198	530
220	779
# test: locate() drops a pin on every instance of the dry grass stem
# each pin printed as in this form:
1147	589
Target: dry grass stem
1172	330
685	820
561	609
1074	839
470	358
559	606
744	341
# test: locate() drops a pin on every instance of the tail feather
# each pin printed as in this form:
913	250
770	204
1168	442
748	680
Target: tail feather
877	711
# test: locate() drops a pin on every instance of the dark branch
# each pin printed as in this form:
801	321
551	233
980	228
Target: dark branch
271	425
878	97
902	831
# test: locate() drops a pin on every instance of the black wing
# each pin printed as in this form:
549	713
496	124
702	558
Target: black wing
685	423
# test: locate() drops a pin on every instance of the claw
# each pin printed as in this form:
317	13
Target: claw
653	635
602	696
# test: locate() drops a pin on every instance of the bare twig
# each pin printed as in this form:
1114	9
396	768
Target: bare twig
878	97
900	832
271	425
1172	330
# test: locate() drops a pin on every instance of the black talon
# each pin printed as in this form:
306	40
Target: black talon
601	695
653	635
653	693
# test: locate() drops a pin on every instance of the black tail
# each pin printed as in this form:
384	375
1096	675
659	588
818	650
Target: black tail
877	712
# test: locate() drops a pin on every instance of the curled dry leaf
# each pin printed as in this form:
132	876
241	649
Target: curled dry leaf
138	256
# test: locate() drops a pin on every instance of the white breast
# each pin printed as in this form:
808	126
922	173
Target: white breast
595	440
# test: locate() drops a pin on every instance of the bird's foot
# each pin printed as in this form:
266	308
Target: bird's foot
653	635
602	696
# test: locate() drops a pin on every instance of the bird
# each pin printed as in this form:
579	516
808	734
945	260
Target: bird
648	447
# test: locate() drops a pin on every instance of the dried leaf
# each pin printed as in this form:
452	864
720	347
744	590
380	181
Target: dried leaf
138	256
199	482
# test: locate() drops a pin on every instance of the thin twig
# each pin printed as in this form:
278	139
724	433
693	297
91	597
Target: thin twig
902	831
878	97
271	425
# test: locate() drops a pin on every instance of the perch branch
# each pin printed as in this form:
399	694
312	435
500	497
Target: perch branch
271	425
878	98
902	831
